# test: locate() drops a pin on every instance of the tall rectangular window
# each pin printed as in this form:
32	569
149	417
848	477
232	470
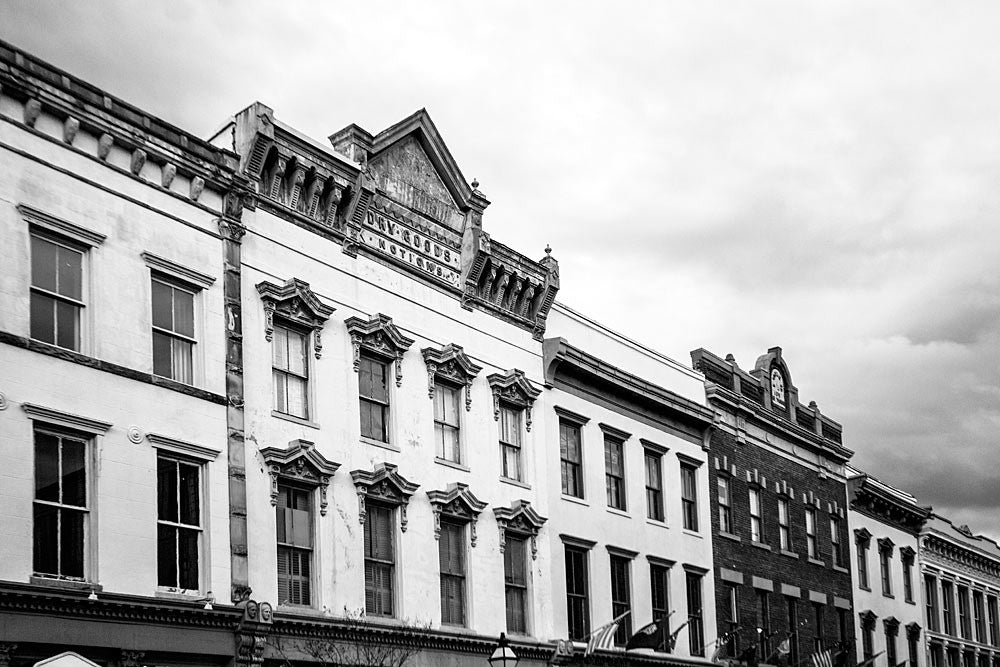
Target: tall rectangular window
812	544
885	570
835	544
731	620
867	639
725	505
991	616
842	629
571	458
614	472
931	602
696	632
515	574
61	510
756	518
907	560
510	442
793	630
863	564
963	612
451	557
654	485
173	329
890	645
373	382
948	607
784	527
659	590
978	617
447	429
295	545
577	594
621	597
178	526
290	371
818	624
689	496
764	623
913	649
56	290
380	560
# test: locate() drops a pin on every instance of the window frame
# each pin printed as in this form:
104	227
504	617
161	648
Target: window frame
836	543
577	590
384	405
295	549
291	328
199	528
755	497
812	539
442	386
389	565
79	305
784	525
176	285
864	581
655	507
885	569
695	597
614	484
456	531
620	567
516	450
568	468
689	496
510	584
932	607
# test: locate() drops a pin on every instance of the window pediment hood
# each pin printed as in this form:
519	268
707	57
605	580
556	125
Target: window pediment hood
455	502
300	462
452	364
383	484
295	302
862	535
514	389
379	336
520	518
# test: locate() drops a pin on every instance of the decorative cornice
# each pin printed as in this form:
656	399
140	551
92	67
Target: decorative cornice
385	485
519	518
182	447
178	271
66	419
58	225
379	336
301	463
513	388
872	499
450	363
458	503
295	302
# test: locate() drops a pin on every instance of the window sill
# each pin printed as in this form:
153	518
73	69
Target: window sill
299	610
814	561
450	464
730	536
790	554
865	588
889	595
574	499
193	596
68	584
761	545
693	533
658	524
618	512
378	443
294	419
913	602
842	570
515	482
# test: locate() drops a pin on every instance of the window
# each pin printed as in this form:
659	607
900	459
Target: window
991	616
295	542
842	631
654	485
912	646
659	585
515	574
793	631
61	510
446	422
907	559
380	560
614	472
178	526
890	644
863	564
812	546
689	496
621	598
885	570
290	371
756	520
818	623
963	612
764	623
947	607
373	382
696	635
56	290
725	505
931	602
173	329
577	594
835	546
510	442
451	552
571	459
935	653
732	621
784	529
867	637
978	617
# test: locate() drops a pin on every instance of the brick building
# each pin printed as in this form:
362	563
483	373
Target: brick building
779	513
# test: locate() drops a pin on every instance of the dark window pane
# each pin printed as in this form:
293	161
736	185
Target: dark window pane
46	467
70	274
72	543
46	554
161	355
190	511
166	495
67	325
43	263
74	473
166	555
188	556
184	312
43	322
162	306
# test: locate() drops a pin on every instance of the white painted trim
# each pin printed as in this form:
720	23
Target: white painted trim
176	270
182	447
66	419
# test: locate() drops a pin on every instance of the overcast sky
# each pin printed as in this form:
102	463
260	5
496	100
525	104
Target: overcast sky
727	175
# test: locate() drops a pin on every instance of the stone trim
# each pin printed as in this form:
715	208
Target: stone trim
658	560
385	485
450	363
519	518
59	226
299	463
615	433
762	583
178	271
578	542
689	460
654	446
182	447
841	603
791	591
297	304
732	576
458	503
819	598
620	551
570	416
514	389
695	569
65	419
381	337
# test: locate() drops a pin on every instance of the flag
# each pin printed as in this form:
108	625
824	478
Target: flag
604	636
720	644
870	661
648	636
672	639
784	648
822	659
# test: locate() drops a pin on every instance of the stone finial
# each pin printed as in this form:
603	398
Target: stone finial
548	249
475	184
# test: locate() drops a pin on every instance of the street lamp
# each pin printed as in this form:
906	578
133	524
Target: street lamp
503	656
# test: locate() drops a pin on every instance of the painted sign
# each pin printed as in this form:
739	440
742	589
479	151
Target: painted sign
406	244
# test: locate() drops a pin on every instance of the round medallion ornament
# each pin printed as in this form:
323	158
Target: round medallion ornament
134	435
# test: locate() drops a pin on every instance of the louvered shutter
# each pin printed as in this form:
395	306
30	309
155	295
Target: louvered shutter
284	593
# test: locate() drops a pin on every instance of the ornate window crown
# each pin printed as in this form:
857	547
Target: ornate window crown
885	544
450	363
385	485
299	463
458	503
868	619
379	336
862	536
519	518
513	389
296	303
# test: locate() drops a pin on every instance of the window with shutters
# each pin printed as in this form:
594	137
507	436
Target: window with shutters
61	508
373	381
784	527
614	472
725	505
290	371
577	593
173	329
57	289
510	442
380	560
756	517
621	597
689	496
451	553
447	426
178	482
515	578
654	484
696	631
571	458
812	544
295	545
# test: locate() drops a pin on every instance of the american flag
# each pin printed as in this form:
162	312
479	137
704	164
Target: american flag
604	636
822	658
